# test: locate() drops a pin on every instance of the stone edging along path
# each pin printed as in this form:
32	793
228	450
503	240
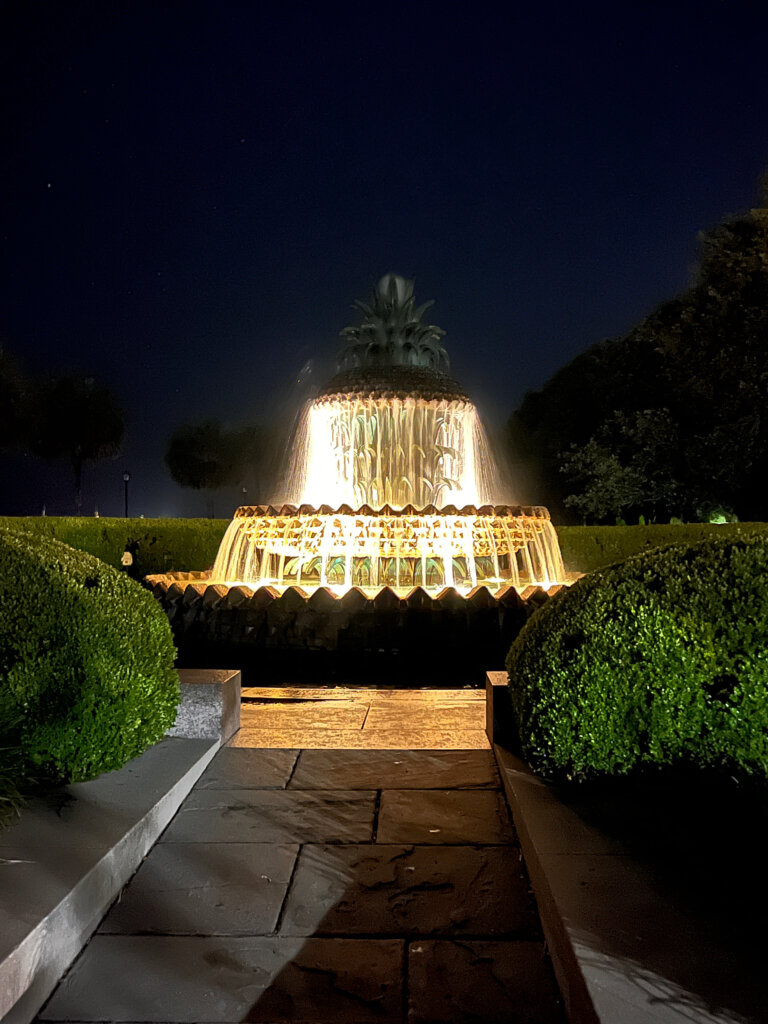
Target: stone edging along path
65	860
624	949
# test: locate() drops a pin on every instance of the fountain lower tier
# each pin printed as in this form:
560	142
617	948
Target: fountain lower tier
311	548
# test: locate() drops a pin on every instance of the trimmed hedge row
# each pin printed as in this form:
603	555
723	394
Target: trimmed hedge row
659	659
86	659
587	548
157	545
173	545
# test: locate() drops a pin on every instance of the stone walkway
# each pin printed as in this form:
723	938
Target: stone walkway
325	885
362	718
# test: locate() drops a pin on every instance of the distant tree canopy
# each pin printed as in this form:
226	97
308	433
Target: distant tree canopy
207	456
671	419
76	418
14	397
71	417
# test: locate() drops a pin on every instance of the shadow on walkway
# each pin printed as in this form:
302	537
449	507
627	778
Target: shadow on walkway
345	886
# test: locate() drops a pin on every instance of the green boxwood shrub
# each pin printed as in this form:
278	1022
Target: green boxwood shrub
158	545
658	660
86	659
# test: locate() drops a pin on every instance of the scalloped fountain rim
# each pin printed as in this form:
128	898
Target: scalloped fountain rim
236	595
501	511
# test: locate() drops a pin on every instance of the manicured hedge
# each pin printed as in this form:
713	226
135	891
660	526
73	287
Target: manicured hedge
170	545
587	548
659	659
158	545
86	659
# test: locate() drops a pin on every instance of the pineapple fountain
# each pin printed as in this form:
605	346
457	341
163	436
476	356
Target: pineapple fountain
391	504
391	481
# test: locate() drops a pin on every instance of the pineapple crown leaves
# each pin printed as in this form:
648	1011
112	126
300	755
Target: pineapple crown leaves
390	317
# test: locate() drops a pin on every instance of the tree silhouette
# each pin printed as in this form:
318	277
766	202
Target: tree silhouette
14	398
207	456
678	405
77	418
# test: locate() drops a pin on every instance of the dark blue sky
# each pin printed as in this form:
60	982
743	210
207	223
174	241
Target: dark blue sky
194	193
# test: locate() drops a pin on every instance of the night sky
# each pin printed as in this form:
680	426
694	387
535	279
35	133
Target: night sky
194	194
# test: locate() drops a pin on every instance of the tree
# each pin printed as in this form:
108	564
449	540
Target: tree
206	456
632	465
76	418
14	399
578	399
700	361
719	361
605	487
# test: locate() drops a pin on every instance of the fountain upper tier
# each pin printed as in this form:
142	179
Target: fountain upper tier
391	427
373	450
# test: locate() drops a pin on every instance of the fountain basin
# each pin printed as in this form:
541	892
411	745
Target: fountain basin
312	634
401	549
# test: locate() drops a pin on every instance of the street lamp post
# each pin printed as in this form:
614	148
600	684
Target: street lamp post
126	478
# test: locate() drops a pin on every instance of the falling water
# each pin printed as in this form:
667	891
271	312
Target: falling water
360	450
338	550
385	491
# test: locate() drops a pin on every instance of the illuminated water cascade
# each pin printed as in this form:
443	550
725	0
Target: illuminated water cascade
366	450
310	548
391	481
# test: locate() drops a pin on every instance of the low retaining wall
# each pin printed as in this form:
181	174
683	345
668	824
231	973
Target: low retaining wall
626	949
483	621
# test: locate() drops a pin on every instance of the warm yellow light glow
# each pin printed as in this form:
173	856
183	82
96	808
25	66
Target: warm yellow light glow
375	450
492	547
390	491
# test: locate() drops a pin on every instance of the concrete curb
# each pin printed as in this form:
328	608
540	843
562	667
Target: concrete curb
64	861
622	953
519	783
62	866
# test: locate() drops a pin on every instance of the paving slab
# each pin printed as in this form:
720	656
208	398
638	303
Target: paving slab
443	816
481	982
409	890
458	717
427	694
395	769
243	768
298	694
363	718
309	884
277	980
273	816
359	739
205	889
313	715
